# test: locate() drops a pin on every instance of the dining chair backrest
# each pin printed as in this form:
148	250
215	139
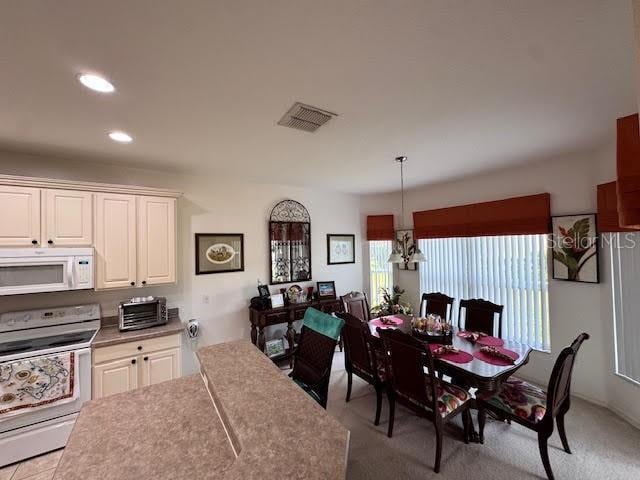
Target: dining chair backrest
354	336
357	305
480	316
559	387
316	346
436	303
406	360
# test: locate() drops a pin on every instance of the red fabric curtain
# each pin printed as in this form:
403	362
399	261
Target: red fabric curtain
513	216
628	162
608	209
380	227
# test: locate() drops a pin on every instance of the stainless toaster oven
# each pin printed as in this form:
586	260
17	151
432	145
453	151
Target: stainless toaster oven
142	312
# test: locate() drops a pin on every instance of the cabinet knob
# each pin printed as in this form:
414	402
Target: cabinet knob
144	282
139	347
34	242
133	284
146	358
50	242
133	361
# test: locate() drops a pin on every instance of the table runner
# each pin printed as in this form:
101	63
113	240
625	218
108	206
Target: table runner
37	382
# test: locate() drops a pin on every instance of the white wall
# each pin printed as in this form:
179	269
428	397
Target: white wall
216	205
574	307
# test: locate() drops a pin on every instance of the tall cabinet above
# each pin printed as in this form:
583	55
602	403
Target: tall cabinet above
132	229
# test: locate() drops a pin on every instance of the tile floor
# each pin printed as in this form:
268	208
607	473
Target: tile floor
36	468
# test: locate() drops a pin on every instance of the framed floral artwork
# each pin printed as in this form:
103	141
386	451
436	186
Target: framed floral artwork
575	248
341	249
219	253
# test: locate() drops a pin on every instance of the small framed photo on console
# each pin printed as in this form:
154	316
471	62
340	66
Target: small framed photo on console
273	348
277	300
326	290
263	291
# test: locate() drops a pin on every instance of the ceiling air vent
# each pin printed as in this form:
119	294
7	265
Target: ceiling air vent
305	117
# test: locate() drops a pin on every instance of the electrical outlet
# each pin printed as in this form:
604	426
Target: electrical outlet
205	299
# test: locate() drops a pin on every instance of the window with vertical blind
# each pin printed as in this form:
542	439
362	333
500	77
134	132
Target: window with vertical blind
380	270
625	276
509	270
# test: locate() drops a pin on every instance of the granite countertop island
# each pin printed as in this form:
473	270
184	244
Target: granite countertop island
242	418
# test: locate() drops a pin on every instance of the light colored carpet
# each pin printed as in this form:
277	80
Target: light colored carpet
603	445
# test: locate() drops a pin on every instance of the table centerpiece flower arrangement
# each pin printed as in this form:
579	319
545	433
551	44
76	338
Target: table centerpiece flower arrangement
391	303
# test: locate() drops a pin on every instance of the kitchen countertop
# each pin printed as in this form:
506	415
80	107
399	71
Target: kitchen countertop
276	428
242	419
166	431
109	333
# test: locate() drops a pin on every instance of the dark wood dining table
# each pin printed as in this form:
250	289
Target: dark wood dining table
483	376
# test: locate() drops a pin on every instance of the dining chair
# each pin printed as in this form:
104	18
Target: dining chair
436	303
356	304
313	356
421	392
532	407
362	358
480	316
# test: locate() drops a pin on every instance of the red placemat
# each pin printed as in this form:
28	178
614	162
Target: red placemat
485	357
490	341
460	357
378	322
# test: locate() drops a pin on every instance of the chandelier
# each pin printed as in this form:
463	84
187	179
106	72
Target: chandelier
404	250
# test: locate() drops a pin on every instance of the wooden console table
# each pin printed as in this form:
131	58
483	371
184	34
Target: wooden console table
294	311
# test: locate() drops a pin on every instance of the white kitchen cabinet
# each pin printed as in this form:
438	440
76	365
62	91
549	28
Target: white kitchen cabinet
115	240
20	225
127	366
117	376
156	240
160	366
67	218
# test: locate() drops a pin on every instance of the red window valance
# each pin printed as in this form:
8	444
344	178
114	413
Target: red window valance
628	162
380	227
608	209
513	216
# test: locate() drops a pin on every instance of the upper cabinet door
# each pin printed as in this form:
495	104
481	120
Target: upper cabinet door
68	218
156	240
20	224
115	240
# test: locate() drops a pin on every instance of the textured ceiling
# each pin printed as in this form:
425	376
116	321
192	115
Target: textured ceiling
457	86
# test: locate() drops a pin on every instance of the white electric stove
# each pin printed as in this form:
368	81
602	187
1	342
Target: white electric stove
34	333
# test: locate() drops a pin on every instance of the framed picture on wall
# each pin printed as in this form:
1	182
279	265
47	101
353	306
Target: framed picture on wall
341	249
575	248
219	253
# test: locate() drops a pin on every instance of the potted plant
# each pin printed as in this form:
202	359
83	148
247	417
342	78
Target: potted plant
391	304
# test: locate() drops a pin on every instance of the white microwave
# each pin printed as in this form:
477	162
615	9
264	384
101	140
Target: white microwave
36	270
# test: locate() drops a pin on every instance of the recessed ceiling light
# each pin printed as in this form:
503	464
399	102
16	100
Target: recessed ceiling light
96	83
120	137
